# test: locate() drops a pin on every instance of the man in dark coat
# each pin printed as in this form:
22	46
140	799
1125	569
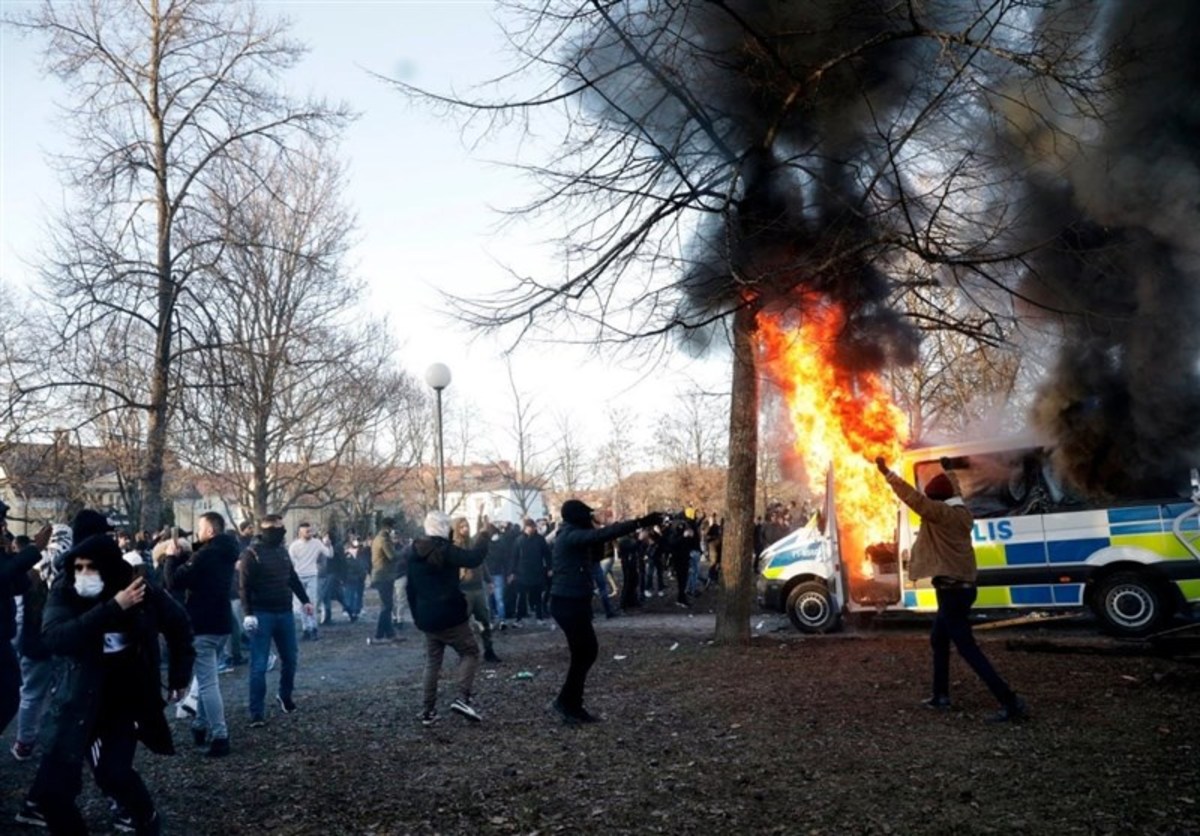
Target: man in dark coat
205	579
439	609
575	545
532	569
107	623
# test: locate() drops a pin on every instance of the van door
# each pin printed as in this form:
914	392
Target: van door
838	582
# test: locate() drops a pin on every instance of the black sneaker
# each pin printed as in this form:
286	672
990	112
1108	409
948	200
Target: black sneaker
199	736
586	716
428	718
31	814
219	747
463	706
123	821
569	718
257	722
489	655
285	705
938	703
1014	712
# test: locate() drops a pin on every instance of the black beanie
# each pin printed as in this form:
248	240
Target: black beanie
576	513
86	523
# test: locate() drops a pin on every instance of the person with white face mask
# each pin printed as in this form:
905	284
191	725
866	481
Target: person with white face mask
106	622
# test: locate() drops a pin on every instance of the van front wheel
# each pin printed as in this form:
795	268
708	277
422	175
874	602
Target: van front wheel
811	608
1130	604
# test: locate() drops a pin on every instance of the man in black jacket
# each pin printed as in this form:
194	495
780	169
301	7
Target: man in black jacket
14	580
439	609
205	580
268	581
107	623
575	553
532	568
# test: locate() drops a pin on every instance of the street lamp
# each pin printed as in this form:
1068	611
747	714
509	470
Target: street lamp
438	376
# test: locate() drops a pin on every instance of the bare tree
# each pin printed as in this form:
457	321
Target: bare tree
295	379
615	458
569	470
526	477
163	95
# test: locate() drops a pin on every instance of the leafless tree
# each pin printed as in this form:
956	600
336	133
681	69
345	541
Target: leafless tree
569	470
616	456
723	158
526	476
295	379
163	95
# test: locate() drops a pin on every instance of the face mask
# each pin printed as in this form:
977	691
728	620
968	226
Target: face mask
88	586
272	536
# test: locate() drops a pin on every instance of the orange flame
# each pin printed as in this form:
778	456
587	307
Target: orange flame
840	419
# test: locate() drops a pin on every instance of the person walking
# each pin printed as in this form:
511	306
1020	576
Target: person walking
577	546
308	554
944	552
106	623
268	581
476	584
440	611
629	549
383	579
14	582
358	566
205	580
500	562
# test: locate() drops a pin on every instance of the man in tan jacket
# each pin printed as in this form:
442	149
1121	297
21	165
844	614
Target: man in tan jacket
383	578
943	552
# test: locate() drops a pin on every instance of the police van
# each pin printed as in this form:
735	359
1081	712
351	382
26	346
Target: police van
1133	560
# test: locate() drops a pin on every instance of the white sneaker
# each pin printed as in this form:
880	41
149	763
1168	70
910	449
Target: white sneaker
186	708
462	706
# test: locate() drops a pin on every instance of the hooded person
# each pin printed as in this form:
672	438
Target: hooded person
107	624
944	551
439	609
577	547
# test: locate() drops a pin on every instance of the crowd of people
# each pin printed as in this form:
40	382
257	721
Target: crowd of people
86	612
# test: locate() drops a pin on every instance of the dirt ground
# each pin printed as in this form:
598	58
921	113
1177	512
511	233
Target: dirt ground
805	735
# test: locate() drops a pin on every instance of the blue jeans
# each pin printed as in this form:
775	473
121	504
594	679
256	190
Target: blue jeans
694	573
279	627
601	580
210	709
498	595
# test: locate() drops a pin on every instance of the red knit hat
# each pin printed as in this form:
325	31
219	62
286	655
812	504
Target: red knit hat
940	488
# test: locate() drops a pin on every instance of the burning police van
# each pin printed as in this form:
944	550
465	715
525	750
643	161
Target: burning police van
1133	560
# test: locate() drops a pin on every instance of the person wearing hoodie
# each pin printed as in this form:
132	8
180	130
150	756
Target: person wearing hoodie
14	581
267	581
944	551
107	624
439	609
38	668
204	579
578	545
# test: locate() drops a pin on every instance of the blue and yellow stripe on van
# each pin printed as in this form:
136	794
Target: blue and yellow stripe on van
1043	561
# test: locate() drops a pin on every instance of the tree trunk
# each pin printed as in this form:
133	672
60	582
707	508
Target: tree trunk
737	556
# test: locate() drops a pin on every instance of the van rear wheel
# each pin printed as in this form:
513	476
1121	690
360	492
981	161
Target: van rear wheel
1130	604
811	608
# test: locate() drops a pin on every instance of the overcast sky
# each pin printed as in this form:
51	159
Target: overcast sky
425	202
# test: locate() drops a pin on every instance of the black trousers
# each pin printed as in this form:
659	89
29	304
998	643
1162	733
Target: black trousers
952	625
574	616
631	575
387	600
529	598
110	755
681	565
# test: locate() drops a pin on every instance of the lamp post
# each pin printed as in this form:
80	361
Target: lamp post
438	377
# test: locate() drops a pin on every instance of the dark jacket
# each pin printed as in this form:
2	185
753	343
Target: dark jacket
14	580
434	597
204	579
575	554
501	557
75	627
532	559
268	580
32	645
